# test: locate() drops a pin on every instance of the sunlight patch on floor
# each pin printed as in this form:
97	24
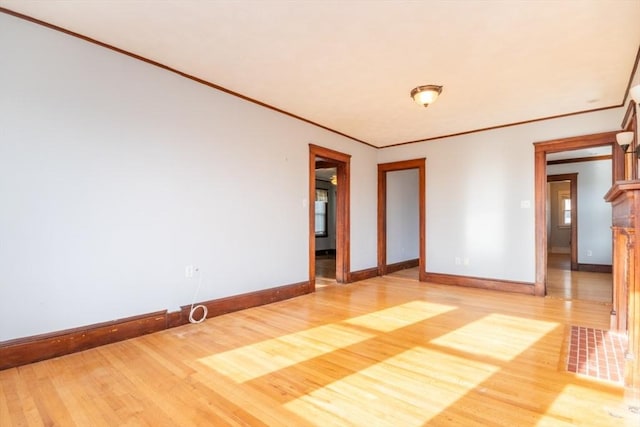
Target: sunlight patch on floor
393	318
255	360
575	396
506	343
393	383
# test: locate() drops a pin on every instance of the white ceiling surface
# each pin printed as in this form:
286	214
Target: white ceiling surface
581	153
325	174
350	65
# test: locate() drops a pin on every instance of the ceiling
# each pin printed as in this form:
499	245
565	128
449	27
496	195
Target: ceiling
325	174
604	150
349	65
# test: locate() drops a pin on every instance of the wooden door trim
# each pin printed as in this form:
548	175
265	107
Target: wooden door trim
573	191
342	162
383	168
542	148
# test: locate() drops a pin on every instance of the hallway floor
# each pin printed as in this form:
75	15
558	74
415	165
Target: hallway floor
562	282
325	270
576	285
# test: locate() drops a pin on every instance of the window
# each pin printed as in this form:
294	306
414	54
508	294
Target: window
321	203
564	203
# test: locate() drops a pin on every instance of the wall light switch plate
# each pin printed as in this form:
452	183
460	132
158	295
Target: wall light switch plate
188	271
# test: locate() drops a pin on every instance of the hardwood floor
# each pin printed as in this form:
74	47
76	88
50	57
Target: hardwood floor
325	271
388	351
576	285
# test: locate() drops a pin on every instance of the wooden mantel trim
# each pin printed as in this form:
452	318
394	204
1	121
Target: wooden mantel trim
620	187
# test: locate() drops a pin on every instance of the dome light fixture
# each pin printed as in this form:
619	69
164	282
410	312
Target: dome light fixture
635	93
425	95
624	140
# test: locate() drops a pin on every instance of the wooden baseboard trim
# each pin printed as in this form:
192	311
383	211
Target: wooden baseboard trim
230	304
22	351
402	265
369	273
595	268
477	282
46	346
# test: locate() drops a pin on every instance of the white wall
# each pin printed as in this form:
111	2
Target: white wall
115	175
476	186
594	214
403	232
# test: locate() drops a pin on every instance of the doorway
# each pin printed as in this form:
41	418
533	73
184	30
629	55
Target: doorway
383	170
541	194
325	222
562	216
579	246
324	158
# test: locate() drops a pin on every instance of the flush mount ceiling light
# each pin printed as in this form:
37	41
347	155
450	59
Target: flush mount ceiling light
425	95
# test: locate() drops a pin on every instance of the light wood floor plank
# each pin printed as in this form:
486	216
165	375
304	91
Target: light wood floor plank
389	351
564	283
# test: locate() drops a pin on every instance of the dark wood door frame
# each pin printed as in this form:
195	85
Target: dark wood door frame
573	193
383	168
554	146
342	163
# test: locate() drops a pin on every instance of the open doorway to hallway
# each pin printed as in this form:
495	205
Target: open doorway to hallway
325	222
325	158
579	242
401	217
544	152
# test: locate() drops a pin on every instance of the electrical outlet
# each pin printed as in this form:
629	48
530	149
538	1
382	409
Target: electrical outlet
589	252
458	260
466	261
